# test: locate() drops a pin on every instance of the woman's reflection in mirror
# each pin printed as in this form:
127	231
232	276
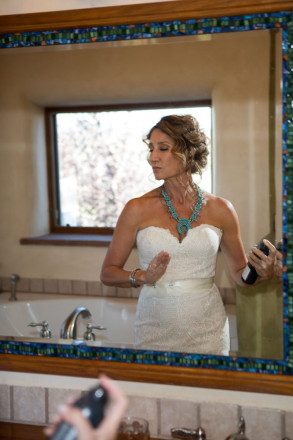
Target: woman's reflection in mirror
178	229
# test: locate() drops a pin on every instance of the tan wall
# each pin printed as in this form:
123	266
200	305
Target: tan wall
230	69
27	6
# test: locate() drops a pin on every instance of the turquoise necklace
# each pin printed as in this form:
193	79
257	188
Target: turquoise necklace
183	223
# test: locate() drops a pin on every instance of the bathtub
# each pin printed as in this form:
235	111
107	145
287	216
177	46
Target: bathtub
116	314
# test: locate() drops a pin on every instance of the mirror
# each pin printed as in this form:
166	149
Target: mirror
174	367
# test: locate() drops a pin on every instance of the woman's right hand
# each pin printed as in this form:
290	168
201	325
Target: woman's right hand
157	267
108	428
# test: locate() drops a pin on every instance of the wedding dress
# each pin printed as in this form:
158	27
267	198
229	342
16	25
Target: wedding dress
183	311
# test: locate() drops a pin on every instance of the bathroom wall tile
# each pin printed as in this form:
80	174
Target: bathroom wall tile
145	408
94	288
23	285
29	404
263	423
6	284
79	287
230	295
108	290
51	286
65	286
222	293
5	404
289	424
36	285
123	293
177	414
218	419
135	292
58	397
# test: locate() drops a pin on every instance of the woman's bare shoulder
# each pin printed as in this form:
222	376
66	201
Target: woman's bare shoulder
218	203
220	211
142	203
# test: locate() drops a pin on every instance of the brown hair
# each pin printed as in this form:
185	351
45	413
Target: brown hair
186	133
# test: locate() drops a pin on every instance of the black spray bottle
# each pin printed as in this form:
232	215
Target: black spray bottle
249	275
92	406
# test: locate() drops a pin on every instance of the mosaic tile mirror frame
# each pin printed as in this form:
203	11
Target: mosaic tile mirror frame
189	367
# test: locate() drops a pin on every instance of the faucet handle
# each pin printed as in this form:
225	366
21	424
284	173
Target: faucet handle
89	335
184	433
45	331
240	435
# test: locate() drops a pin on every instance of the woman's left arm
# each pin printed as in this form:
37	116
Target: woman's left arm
233	250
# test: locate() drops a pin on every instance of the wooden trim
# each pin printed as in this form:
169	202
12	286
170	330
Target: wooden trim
21	431
129	106
194	377
61	239
137	13
24	431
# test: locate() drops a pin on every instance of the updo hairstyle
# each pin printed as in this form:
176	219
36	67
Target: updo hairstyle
186	133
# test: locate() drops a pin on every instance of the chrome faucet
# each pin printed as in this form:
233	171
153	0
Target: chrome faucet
14	278
68	328
45	331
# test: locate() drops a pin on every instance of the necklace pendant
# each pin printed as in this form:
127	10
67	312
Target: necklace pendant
183	226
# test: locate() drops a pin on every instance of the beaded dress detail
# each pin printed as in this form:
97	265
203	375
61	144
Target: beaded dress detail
183	311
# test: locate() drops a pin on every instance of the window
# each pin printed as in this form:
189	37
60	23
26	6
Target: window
98	161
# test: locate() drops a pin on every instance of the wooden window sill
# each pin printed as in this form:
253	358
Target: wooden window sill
68	240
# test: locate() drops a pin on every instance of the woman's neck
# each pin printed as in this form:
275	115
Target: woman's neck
180	189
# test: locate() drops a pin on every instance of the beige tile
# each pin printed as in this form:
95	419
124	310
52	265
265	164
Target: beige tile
145	408
22	285
58	397
36	285
51	286
222	293
289	424
94	288
108	290
218	419
135	292
177	414
79	287
5	413
29	404
263	423
230	295
6	284
122	292
65	286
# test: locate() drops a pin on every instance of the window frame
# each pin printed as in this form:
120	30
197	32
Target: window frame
52	156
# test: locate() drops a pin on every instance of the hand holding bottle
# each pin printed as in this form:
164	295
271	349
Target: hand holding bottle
108	427
261	263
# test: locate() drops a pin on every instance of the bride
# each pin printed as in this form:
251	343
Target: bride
179	229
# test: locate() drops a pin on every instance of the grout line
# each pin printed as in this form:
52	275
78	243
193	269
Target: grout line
11	403
159	417
46	406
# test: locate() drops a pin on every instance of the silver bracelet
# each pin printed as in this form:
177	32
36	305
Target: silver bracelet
132	277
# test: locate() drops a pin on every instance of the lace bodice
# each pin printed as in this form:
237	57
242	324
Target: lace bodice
195	257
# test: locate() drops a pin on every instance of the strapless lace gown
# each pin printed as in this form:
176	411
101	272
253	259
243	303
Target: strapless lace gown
183	311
